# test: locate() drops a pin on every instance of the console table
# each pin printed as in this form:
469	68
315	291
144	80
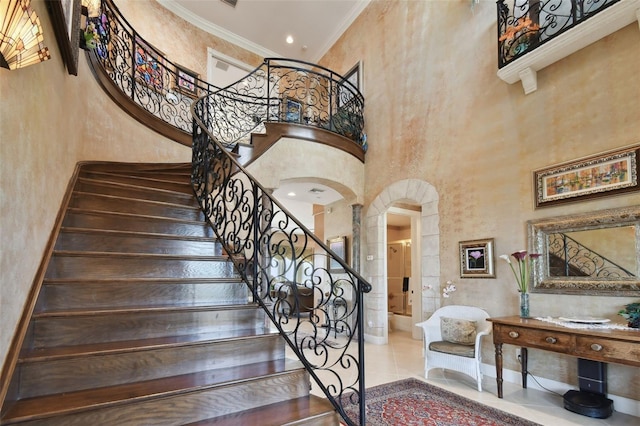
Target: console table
606	345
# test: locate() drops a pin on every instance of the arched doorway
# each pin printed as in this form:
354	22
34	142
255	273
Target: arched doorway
413	191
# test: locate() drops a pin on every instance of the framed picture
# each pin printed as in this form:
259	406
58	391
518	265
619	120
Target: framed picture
339	246
149	66
354	78
186	81
65	18
608	173
476	259
291	110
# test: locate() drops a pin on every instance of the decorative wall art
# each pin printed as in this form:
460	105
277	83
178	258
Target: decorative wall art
186	81
608	173
149	65
339	246
476	259
291	110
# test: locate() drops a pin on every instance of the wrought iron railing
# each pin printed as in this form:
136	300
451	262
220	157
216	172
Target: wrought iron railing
524	25
279	90
317	307
586	262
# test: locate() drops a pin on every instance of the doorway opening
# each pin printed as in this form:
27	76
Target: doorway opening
403	266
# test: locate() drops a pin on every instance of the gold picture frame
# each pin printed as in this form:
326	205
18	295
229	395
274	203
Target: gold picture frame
186	81
476	258
604	174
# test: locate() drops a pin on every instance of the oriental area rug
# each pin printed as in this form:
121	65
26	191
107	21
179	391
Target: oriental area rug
414	402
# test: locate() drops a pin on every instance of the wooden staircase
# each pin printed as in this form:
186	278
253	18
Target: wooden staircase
142	320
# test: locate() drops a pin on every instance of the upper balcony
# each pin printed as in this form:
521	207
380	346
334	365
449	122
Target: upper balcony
281	97
533	34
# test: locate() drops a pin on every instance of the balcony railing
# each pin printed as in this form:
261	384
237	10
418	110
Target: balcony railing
279	90
525	25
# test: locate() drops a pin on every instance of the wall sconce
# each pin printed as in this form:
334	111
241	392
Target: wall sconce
21	36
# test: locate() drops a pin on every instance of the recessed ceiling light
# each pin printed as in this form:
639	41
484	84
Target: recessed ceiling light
291	194
289	39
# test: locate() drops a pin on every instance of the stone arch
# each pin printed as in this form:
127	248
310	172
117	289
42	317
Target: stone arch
411	191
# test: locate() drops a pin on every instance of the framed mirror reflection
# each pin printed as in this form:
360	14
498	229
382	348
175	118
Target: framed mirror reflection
594	253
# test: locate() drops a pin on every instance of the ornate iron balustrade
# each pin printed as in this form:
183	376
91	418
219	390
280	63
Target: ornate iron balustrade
524	25
280	90
586	261
317	310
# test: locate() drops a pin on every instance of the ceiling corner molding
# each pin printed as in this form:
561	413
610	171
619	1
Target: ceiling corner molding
614	18
346	23
215	30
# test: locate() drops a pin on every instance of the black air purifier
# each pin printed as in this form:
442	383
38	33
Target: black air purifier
591	400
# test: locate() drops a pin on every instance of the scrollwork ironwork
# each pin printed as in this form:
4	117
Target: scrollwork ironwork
143	74
579	260
286	266
531	23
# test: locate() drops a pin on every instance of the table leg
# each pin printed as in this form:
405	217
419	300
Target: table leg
499	368
523	360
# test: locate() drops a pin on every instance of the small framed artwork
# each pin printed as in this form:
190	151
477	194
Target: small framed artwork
149	66
186	81
291	110
608	173
338	245
476	259
354	78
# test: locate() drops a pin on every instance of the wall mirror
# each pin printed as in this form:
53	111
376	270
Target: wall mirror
594	253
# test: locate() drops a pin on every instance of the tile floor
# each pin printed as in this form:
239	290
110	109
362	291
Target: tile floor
402	358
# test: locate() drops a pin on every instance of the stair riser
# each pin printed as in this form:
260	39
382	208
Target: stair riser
141	193
89	295
122	243
137	224
49	377
171	183
327	419
117	267
128	205
76	330
191	407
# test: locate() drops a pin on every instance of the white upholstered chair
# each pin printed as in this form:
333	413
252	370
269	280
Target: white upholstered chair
459	347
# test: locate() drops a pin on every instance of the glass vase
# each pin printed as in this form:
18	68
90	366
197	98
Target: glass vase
524	305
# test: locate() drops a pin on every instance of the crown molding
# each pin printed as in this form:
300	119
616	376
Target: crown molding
346	23
215	30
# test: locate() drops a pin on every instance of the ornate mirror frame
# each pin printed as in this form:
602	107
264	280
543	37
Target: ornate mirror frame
538	237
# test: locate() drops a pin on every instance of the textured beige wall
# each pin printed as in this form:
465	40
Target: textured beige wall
183	43
50	120
436	111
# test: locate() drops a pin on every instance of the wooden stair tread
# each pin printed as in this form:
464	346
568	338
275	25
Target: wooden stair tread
143	177
113	232
129	186
130	215
142	281
158	256
60	352
140	309
274	414
70	402
137	200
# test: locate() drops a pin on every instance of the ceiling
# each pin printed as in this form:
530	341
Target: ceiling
262	26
